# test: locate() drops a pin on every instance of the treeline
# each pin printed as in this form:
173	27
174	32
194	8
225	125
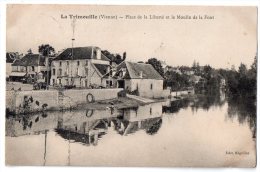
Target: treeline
242	82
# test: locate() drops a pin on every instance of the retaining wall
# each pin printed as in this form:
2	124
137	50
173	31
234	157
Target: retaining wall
36	100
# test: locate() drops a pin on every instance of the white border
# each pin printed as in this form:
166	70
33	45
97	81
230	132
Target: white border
105	2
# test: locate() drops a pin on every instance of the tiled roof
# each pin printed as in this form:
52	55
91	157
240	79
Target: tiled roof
148	72
30	60
78	53
102	68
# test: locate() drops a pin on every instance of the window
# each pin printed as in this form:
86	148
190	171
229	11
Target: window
77	71
59	81
151	86
78	63
33	68
109	83
60	72
53	71
60	63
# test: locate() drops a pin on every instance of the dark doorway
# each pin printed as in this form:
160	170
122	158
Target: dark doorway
121	83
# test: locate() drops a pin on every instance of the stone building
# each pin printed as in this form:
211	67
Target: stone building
81	67
140	78
31	67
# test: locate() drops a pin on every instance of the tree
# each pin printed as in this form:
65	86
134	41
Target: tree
46	50
254	65
156	65
242	70
176	81
207	72
117	58
194	64
29	51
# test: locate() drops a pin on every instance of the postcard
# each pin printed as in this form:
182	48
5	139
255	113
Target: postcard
131	85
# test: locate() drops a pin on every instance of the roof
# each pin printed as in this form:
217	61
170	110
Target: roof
79	53
30	60
10	57
148	72
102	68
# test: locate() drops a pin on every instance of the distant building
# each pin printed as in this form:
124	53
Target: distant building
195	79
172	69
10	58
31	66
164	65
186	70
81	67
139	77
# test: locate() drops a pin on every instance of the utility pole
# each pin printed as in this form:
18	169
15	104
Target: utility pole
48	66
73	24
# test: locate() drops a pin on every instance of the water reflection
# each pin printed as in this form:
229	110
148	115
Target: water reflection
244	109
89	127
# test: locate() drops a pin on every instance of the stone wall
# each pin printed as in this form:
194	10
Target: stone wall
10	100
179	93
79	96
38	100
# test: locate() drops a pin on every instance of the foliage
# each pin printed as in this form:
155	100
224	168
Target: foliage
117	58
46	50
243	81
156	65
176	81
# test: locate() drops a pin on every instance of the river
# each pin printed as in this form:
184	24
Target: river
206	131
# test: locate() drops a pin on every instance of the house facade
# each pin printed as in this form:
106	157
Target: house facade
81	67
31	67
10	58
141	78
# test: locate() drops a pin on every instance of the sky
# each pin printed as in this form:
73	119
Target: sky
228	36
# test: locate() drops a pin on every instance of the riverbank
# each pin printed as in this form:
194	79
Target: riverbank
118	103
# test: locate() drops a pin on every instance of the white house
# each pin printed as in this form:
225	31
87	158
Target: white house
81	67
139	77
10	58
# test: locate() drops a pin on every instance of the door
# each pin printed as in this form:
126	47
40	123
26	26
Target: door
121	83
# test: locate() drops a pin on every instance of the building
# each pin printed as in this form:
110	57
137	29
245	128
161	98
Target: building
81	67
32	68
10	58
172	69
140	78
194	79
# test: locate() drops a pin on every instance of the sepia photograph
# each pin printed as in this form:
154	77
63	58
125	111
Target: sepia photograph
131	85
